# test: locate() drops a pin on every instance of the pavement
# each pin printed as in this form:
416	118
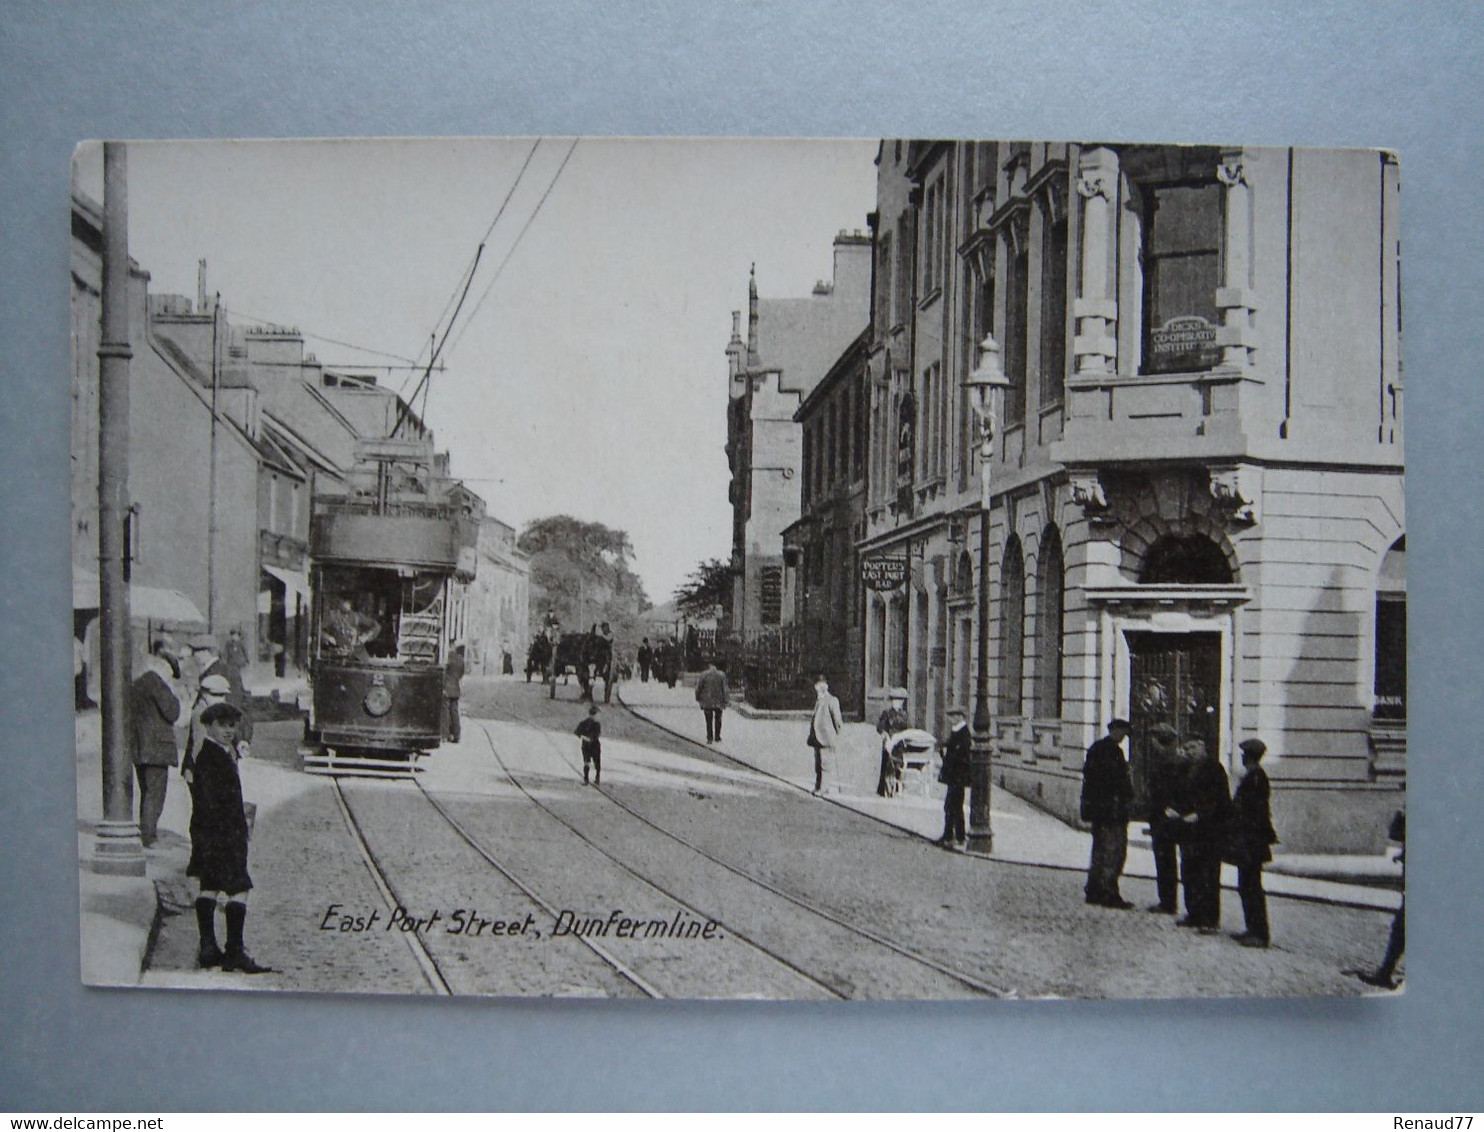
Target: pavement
119	915
774	743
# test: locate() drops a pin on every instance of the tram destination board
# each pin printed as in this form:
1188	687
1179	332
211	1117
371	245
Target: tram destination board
591	610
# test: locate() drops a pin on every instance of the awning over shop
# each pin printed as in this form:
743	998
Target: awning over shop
146	603
294	581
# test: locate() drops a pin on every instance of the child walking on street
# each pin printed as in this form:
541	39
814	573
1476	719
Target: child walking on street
591	731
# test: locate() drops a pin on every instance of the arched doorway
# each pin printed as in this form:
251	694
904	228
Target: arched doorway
1175	672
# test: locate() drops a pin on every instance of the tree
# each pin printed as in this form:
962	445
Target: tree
707	590
581	572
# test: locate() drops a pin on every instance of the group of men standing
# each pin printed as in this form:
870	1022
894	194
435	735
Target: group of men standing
663	660
1194	824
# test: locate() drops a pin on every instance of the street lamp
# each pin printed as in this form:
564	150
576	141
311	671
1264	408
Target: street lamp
986	385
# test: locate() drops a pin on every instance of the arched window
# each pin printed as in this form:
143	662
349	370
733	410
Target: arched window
1391	634
1050	591
1012	628
963	576
1190	560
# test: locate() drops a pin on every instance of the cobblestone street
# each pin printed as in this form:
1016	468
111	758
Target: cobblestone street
840	898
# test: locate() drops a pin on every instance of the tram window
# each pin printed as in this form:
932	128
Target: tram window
420	622
379	614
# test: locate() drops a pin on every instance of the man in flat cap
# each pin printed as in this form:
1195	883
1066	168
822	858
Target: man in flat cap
153	710
1106	793
1205	811
1166	776
209	663
219	836
955	776
1249	843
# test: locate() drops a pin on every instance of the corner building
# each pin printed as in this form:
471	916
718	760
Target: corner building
1197	507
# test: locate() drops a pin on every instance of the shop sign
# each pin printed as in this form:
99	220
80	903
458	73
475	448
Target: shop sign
884	573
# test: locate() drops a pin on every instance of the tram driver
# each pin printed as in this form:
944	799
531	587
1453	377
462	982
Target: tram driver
347	630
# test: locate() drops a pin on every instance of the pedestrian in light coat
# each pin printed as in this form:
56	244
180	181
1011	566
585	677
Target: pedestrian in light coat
1106	793
153	710
713	696
1250	841
955	775
825	726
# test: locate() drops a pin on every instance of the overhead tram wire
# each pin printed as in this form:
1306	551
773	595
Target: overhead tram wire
415	363
462	291
529	220
483	241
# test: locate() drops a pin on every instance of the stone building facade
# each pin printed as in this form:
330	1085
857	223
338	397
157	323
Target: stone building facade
1197	508
497	603
176	580
791	343
823	542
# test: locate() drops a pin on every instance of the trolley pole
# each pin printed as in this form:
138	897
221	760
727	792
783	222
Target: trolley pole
116	848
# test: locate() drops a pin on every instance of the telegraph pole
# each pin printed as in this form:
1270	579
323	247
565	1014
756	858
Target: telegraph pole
211	478
116	848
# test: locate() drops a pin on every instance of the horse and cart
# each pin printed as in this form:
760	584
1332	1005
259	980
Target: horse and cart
589	656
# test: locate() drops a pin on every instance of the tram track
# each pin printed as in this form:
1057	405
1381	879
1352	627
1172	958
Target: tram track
974	983
432	970
665	892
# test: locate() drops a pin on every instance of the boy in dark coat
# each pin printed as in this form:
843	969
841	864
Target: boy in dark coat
219	842
1106	793
955	775
590	731
1250	841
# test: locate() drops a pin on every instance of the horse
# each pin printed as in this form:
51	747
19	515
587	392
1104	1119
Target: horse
538	657
590	655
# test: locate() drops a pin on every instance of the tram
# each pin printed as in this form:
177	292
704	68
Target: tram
388	562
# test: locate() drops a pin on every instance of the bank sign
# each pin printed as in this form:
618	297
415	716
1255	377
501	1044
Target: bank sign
884	573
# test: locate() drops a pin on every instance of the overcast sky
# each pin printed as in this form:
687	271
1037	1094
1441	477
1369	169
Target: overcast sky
590	379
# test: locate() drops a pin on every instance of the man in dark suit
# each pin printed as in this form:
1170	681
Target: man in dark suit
1250	843
1205	810
1167	772
713	696
955	775
646	656
453	689
153	710
1106	793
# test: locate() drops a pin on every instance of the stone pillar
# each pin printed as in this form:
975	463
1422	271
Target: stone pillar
1234	299
1095	346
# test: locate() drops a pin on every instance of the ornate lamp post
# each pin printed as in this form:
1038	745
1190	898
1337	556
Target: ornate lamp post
987	385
